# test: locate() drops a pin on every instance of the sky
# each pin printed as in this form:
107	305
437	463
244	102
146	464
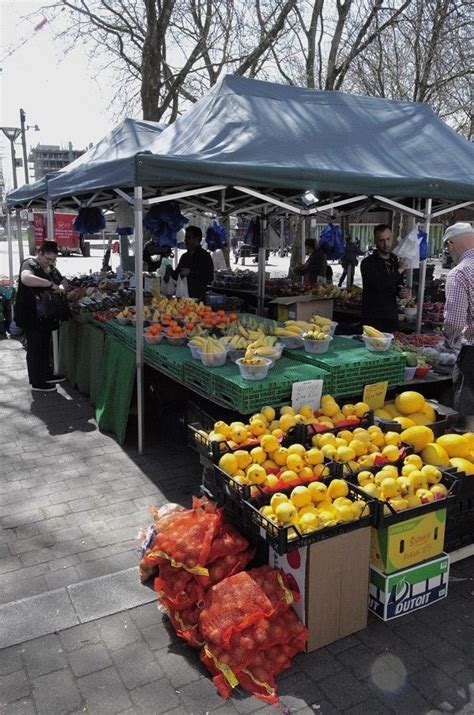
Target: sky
58	92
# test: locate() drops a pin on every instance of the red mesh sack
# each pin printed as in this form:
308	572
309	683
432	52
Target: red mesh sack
226	566
179	586
231	606
275	586
227	541
185	623
186	541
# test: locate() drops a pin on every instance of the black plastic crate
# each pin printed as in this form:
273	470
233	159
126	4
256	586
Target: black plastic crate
206	447
447	419
280	537
381	520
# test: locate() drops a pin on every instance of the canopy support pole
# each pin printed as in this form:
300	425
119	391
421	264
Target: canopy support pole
422	278
50	220
261	266
138	208
21	255
400	207
451	208
10	247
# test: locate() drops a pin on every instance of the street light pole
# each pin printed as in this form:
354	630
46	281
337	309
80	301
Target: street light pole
12	134
23	144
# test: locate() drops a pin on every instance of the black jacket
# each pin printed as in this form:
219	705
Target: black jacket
201	271
25	303
380	284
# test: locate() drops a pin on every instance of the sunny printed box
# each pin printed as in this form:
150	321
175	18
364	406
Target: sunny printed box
395	595
408	542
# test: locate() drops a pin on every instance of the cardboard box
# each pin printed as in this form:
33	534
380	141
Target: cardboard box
332	577
395	595
408	542
303	307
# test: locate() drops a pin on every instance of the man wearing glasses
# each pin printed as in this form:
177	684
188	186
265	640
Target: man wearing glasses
458	326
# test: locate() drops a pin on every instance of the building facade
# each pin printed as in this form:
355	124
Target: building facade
46	158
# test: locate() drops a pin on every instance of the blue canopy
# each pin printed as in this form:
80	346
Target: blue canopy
270	135
103	165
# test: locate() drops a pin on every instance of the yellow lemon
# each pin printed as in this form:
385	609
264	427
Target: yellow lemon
278	433
243	458
372	490
238	433
341	442
429	411
329	409
419	436
392	438
222	428
364	477
294	462
280	456
391	452
404	422
417	480
346	435
307	411
318	491
462	465
431	473
329	451
419	418
256	474
345	454
390	408
320	471
229	463
269	443
286	410
306	474
390	470
382	414
289	477
327	438
300	496
258	455
390	487
414	459
257	427
345	512
407	469
269	464
268	412
268	512
287	421
359	447
278	498
297	449
409	401
348	410
271	481
314	456
309	522
360	408
338	488
434	454
455	445
285	512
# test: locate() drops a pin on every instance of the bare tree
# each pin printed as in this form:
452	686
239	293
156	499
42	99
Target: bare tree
168	52
426	57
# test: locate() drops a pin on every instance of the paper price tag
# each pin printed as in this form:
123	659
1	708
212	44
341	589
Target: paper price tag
374	394
307	392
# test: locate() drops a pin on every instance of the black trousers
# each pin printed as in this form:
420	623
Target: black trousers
463	379
38	355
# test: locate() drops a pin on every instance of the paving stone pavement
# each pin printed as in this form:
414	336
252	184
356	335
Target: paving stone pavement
71	503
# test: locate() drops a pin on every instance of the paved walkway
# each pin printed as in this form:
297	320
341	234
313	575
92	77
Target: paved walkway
79	634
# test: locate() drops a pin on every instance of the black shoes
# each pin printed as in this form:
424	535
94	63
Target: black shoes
43	387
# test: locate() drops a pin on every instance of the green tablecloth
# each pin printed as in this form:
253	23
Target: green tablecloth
116	387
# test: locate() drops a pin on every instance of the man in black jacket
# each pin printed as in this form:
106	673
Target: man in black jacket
195	265
382	282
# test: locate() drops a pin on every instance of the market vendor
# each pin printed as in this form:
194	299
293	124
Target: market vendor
315	270
36	276
195	265
153	255
458	325
382	282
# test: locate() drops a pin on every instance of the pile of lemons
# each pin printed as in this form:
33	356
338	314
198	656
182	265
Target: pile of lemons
413	485
314	507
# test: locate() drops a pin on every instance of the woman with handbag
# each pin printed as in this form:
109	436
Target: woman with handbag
40	306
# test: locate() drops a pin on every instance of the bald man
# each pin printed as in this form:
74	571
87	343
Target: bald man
458	326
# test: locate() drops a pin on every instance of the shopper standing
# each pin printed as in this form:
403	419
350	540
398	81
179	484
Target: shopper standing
38	275
349	262
382	282
195	265
458	326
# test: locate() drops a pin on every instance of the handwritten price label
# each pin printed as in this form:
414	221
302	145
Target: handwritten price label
374	394
307	392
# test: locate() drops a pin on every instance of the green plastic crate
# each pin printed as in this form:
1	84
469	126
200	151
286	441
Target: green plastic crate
247	396
124	333
351	369
198	375
169	359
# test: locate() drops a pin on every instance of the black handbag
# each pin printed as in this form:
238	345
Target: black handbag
51	309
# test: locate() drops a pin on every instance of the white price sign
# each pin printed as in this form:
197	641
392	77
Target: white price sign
307	392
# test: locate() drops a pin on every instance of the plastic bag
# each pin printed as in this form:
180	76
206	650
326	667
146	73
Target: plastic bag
423	244
331	242
409	249
182	288
215	237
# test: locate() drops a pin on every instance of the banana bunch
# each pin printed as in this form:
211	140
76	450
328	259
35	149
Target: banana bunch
371	332
315	335
236	342
293	328
208	345
263	347
322	324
